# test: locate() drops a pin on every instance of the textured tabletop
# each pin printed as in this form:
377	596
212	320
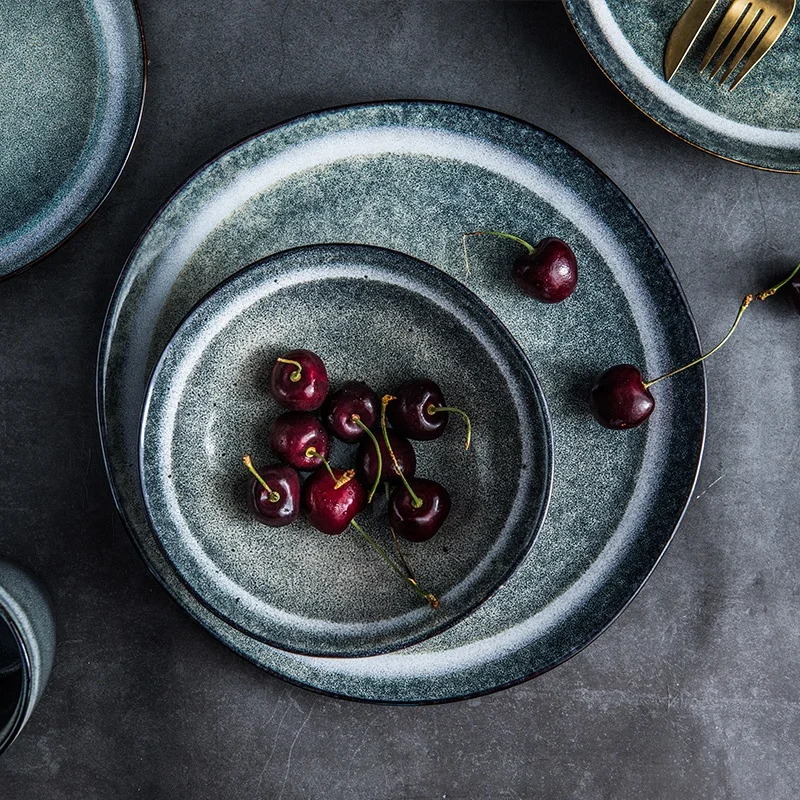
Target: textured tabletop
693	692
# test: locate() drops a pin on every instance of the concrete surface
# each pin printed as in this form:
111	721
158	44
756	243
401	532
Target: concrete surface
692	693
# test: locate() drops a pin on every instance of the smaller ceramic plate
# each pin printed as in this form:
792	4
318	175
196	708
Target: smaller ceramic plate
72	81
757	124
372	315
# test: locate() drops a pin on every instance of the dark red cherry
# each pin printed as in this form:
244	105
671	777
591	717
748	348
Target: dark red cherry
330	503
299	439
550	273
353	397
410	412
367	459
299	380
418	522
619	399
274	495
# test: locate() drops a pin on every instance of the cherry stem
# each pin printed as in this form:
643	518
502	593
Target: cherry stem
297	373
432	409
434	603
769	292
529	247
385	400
347	476
395	539
357	419
272	495
744	306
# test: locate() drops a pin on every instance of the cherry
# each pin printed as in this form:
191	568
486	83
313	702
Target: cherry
299	439
418	509
273	494
547	272
352	398
420	411
299	380
367	461
331	498
620	399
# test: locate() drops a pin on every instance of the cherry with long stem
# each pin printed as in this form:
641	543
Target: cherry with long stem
385	400
272	495
621	398
431	598
548	271
357	419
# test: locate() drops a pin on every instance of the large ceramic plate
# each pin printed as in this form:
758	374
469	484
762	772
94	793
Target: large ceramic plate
208	404
412	177
72	86
756	124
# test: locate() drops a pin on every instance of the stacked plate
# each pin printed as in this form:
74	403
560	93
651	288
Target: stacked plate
341	232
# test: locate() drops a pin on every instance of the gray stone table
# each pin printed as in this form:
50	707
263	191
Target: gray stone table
693	692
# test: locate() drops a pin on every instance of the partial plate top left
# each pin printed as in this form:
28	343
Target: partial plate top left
72	80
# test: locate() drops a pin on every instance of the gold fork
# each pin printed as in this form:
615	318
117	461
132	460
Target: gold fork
748	29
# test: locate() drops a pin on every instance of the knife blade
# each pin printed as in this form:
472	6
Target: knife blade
684	34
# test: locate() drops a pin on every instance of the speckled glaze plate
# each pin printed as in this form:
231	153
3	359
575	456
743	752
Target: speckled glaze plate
413	177
72	80
208	403
757	124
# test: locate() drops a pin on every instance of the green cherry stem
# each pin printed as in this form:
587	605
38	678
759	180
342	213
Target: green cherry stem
434	603
527	245
395	539
432	409
272	495
347	476
769	292
297	373
742	308
385	400
357	419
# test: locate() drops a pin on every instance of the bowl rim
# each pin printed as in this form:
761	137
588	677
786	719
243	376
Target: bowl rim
548	443
19	716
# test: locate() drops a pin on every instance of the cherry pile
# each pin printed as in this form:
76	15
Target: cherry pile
331	496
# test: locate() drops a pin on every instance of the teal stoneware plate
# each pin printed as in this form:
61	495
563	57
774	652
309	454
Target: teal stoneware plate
756	124
372	315
72	79
413	177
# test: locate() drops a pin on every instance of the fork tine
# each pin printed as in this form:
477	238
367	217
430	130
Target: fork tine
747	43
746	23
761	49
728	23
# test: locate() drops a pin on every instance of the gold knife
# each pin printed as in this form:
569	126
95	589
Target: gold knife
684	34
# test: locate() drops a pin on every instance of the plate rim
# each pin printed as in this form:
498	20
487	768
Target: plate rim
103	427
134	133
543	497
731	160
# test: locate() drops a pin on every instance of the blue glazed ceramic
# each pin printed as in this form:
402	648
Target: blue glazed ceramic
27	648
72	82
756	124
372	315
413	177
